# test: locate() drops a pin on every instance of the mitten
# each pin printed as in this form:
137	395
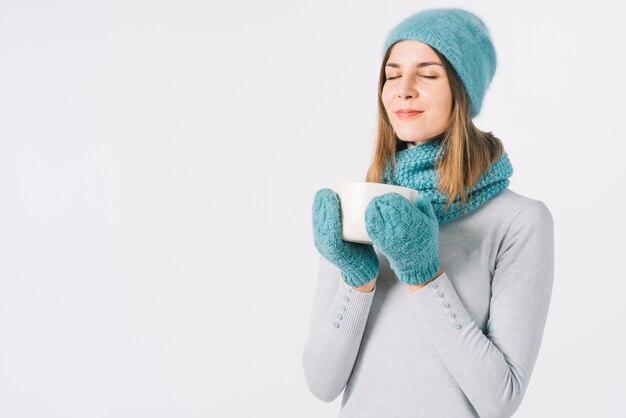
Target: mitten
407	233
358	262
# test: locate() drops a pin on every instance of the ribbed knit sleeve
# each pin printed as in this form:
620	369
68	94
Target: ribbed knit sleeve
494	369
337	323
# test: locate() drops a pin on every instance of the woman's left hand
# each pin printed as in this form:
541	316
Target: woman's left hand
408	235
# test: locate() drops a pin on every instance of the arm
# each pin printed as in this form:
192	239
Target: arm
337	323
493	370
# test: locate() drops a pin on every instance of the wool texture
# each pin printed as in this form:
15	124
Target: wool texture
416	168
407	233
358	262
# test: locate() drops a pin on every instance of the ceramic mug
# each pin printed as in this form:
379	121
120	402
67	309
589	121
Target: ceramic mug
354	198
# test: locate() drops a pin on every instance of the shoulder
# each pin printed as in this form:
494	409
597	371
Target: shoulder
523	218
527	237
506	210
518	208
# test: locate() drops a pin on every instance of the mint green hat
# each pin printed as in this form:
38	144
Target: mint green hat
462	38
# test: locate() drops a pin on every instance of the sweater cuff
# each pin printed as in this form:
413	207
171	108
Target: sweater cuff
439	308
349	311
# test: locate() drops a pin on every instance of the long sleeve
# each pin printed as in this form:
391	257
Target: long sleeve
338	320
494	369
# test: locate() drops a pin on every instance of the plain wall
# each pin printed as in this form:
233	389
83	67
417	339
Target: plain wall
158	162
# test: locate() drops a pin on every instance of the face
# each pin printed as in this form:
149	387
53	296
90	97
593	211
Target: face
416	81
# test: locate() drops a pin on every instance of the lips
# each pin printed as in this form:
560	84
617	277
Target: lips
408	113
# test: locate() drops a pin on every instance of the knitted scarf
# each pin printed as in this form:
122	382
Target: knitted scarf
415	168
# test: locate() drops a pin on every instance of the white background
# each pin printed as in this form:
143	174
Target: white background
158	161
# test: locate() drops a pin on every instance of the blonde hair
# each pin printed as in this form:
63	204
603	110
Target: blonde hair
469	151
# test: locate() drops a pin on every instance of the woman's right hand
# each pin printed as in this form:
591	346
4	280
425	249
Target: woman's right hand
358	262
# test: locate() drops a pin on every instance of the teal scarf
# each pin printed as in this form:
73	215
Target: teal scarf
415	168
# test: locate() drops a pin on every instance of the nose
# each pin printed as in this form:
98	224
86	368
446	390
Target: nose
406	90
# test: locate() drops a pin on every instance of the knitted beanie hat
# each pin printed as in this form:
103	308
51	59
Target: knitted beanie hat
462	38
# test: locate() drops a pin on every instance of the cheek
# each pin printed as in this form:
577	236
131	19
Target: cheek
445	96
446	106
438	100
385	98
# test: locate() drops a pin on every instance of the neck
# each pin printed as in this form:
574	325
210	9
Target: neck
434	138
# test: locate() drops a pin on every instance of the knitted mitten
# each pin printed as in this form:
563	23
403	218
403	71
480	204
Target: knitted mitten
407	233
358	262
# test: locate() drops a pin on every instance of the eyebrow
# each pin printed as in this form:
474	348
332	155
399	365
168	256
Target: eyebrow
420	65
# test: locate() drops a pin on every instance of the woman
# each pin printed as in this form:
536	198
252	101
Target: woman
444	318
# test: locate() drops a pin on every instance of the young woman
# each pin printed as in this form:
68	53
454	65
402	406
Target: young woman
444	315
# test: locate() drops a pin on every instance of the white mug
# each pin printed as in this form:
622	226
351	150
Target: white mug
354	198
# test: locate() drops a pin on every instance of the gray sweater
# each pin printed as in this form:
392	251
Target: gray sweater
465	345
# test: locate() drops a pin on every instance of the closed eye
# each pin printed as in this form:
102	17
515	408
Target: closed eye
425	76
